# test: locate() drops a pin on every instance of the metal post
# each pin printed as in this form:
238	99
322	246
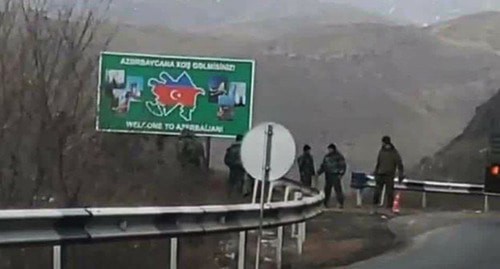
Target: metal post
382	198
270	193
255	190
287	193
300	228
486	203
294	226
299	239
359	198
242	246
208	146
424	199
266	169
303	230
58	260
174	253
279	247
294	231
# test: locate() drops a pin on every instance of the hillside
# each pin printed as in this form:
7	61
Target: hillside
308	19
195	14
480	30
350	84
464	158
371	79
188	14
423	12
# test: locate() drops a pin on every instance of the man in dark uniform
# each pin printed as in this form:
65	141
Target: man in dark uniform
236	171
334	167
306	166
388	161
190	151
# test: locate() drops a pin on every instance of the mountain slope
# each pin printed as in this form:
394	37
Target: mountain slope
464	158
480	30
311	18
415	87
350	84
423	12
193	14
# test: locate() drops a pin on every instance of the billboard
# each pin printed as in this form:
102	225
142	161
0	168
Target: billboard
154	94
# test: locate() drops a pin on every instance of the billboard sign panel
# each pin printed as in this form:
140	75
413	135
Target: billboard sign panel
154	94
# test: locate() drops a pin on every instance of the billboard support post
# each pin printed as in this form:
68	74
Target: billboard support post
208	149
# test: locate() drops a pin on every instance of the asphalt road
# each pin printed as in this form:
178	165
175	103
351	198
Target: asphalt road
471	244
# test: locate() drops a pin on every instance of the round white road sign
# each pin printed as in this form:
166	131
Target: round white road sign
254	149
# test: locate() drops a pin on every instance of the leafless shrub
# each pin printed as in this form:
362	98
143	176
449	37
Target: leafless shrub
48	63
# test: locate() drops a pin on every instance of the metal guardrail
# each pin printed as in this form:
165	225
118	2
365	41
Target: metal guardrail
61	227
360	181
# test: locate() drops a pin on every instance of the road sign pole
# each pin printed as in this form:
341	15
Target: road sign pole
265	169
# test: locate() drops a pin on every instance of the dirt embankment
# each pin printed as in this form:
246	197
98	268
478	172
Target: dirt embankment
342	238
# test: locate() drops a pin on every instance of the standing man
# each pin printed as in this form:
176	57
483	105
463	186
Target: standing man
306	166
236	171
190	151
388	161
334	167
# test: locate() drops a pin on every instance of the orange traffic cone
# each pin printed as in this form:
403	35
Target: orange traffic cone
395	205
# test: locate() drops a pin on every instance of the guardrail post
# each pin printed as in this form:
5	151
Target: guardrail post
359	198
255	190
300	239
486	203
270	193
287	193
58	257
242	247
279	247
424	199
295	232
302	236
300	228
174	253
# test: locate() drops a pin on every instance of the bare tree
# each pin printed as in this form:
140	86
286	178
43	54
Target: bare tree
48	59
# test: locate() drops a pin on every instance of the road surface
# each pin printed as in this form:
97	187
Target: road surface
470	244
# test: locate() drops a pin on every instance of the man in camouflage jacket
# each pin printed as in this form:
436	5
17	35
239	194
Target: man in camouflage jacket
306	166
237	173
334	167
190	152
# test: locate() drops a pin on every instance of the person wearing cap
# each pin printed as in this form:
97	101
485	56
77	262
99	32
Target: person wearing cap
334	168
388	161
232	159
306	166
